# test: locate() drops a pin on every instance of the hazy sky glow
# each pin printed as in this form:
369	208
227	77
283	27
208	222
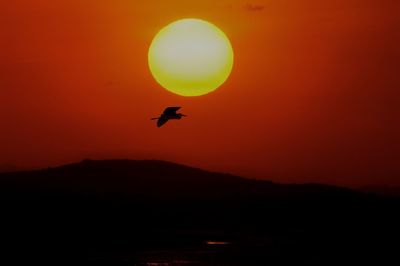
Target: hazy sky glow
313	97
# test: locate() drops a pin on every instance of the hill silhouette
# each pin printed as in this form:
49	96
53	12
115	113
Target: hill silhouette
98	211
155	179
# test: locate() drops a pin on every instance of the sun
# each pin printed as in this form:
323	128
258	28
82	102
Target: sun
191	57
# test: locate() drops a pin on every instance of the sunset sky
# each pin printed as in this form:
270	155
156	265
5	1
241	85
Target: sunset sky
313	96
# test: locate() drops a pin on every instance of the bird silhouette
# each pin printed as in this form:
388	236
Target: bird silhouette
168	114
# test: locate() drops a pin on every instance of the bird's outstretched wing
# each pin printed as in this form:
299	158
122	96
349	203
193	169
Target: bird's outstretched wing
171	110
161	121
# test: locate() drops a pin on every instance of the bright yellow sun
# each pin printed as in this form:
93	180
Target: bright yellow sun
190	57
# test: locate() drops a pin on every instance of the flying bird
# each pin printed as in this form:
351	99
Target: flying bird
168	114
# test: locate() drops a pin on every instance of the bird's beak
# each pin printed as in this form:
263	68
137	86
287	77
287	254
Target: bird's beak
184	115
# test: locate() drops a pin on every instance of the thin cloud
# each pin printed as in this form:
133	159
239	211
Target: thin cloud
254	7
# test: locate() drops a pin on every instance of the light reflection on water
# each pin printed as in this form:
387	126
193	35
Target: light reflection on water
173	263
188	256
217	243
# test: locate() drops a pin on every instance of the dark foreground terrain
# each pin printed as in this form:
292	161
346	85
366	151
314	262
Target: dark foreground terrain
153	213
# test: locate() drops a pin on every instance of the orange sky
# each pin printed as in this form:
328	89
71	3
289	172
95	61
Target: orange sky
313	97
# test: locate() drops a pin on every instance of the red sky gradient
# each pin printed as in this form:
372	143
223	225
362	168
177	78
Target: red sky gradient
313	97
